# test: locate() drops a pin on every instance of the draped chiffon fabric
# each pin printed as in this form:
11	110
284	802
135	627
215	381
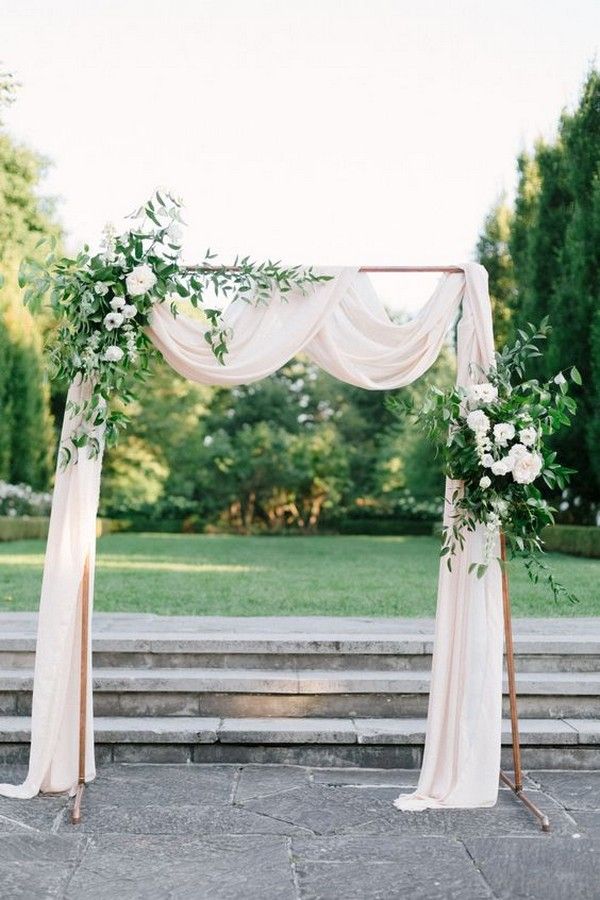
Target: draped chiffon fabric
343	327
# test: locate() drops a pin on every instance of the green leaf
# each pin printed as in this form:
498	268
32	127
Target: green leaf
575	375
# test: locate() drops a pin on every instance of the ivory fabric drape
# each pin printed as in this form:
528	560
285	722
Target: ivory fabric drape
343	327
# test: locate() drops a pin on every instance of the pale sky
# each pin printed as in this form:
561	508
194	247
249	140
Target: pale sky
348	132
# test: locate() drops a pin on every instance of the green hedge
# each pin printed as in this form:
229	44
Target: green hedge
381	526
30	527
140	523
579	540
18	529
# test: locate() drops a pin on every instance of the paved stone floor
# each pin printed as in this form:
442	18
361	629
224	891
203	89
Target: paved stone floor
278	832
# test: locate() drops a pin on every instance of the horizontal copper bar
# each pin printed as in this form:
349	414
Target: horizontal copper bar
384	269
410	269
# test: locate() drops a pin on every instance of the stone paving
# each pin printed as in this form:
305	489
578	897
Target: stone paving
276	832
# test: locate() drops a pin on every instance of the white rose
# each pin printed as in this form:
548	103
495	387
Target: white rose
483	393
485	482
517	450
528	436
501	467
129	310
113	320
112	354
117	303
140	280
503	433
487	460
527	468
478	421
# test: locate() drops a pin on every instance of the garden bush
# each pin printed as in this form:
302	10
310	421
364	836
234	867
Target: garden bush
21	500
36	527
382	526
578	540
18	529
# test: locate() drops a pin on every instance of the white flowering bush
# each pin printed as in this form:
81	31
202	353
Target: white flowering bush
17	500
408	506
494	441
102	301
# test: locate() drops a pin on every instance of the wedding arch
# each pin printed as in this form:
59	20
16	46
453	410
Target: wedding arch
342	326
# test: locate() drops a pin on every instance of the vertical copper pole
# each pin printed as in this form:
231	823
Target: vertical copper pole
517	785
83	689
510	668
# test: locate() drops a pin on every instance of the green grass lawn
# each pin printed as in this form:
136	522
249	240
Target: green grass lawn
226	575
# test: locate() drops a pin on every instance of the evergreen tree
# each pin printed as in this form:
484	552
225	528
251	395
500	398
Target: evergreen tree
493	253
554	246
26	434
576	298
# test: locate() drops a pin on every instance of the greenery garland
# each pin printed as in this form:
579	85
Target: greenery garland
493	438
103	302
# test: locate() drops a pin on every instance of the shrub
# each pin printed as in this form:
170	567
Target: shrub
20	500
36	527
383	525
579	540
19	529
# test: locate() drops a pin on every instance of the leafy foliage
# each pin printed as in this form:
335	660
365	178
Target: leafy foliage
26	435
103	302
493	439
552	268
493	252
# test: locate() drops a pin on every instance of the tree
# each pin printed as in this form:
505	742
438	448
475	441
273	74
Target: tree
554	246
26	433
405	459
133	477
272	450
576	296
493	253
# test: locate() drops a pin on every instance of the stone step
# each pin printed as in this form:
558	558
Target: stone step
253	649
296	693
297	682
546	743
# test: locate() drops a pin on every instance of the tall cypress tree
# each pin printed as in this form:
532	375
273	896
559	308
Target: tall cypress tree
576	297
493	252
554	245
26	434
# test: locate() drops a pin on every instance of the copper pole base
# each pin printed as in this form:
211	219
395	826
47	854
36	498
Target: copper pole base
518	792
76	811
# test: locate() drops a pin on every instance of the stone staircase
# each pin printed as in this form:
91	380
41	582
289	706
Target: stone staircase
316	691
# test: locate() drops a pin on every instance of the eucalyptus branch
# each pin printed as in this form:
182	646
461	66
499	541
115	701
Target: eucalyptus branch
102	302
493	441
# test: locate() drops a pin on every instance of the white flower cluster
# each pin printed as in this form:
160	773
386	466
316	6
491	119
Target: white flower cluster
140	280
521	461
21	500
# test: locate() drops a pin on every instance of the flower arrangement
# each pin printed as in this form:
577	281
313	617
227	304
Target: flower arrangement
103	301
494	441
21	500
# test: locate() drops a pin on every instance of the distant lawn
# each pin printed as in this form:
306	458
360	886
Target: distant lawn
223	575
